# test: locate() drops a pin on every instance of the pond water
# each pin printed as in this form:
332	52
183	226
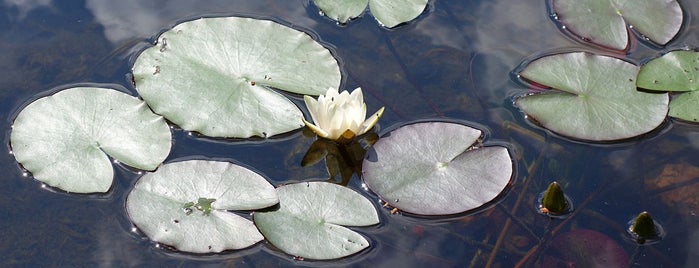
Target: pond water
454	62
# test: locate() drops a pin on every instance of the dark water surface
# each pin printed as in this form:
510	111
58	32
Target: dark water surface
454	62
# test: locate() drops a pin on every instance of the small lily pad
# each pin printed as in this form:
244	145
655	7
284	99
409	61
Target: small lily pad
214	76
593	98
65	139
603	22
184	205
309	222
431	169
675	71
388	13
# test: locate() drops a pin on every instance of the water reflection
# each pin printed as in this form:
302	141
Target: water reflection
342	160
128	19
25	6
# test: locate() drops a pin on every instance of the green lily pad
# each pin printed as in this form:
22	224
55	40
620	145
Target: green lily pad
184	205
685	106
309	222
593	98
388	13
432	169
213	76
65	139
675	71
603	22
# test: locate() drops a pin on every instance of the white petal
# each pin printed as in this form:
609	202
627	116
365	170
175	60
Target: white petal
331	94
318	131
315	109
371	121
357	95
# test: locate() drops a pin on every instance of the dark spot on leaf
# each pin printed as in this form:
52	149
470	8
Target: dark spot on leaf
163	45
175	221
209	246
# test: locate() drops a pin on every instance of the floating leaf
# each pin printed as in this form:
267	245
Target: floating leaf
213	76
387	12
593	98
309	222
184	205
429	169
341	11
604	22
65	139
675	71
685	106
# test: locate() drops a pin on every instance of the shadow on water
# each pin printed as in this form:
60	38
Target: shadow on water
454	62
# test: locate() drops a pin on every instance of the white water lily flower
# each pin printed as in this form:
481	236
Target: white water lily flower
340	114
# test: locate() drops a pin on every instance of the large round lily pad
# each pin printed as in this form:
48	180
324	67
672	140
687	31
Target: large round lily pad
592	98
604	22
213	76
431	169
310	219
184	205
66	139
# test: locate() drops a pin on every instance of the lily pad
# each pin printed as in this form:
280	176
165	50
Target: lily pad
593	98
184	205
675	71
214	76
388	13
432	169
603	22
309	222
65	140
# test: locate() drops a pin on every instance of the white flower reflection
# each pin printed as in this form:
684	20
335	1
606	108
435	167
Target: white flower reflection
340	115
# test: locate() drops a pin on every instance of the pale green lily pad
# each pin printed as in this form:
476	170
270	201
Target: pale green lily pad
388	13
65	139
603	22
592	98
431	169
341	11
213	76
309	222
184	205
675	71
